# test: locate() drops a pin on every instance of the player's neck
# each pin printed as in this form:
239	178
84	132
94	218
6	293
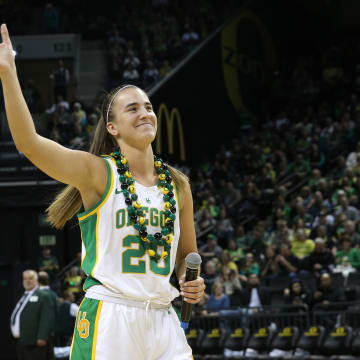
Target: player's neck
141	164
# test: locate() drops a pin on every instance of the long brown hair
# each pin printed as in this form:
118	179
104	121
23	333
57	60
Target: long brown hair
68	202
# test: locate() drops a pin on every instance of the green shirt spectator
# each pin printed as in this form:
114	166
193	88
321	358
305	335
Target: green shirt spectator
301	166
235	253
48	263
249	267
348	255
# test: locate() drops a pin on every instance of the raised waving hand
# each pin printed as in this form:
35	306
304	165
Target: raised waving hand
6	51
83	170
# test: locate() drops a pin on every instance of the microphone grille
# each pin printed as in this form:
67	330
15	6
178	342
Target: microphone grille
193	260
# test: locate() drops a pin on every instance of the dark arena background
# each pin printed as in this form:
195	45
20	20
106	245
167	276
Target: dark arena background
259	103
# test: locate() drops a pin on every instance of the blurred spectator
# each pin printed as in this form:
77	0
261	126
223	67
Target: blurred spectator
317	204
50	19
300	168
131	75
176	49
225	260
348	255
116	39
302	214
248	267
151	75
253	294
240	237
210	275
204	222
132	60
235	253
91	125
62	120
73	281
213	207
224	229
338	170
288	263
297	294
317	159
49	263
271	267
61	79
352	159
281	235
199	308
115	73
270	175
65	322
324	219
320	260
349	231
211	249
351	212
164	69
218	300
327	292
59	102
230	280
79	118
315	179
77	260
190	37
301	246
233	196
257	239
44	281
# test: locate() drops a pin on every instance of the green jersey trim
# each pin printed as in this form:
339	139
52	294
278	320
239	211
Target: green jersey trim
89	282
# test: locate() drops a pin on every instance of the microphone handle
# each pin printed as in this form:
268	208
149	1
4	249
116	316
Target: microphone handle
191	274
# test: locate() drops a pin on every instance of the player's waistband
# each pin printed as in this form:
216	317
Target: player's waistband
144	304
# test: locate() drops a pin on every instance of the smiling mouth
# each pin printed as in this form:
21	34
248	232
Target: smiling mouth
144	124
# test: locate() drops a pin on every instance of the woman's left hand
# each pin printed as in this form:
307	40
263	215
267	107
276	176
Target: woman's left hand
192	291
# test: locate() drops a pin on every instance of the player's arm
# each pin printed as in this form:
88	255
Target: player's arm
187	241
77	168
193	290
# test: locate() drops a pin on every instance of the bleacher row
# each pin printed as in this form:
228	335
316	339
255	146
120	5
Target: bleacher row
277	332
350	284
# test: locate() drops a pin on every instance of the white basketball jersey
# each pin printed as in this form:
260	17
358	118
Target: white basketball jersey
112	253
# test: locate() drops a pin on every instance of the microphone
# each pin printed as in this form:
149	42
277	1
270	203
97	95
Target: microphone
193	261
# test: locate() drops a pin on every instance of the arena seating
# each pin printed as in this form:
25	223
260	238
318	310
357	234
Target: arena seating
298	336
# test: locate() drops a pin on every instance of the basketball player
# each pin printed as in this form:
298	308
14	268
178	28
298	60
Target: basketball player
136	219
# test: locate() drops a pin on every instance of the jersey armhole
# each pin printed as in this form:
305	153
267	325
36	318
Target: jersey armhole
109	185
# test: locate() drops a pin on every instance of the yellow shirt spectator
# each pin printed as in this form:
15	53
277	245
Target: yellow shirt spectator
301	246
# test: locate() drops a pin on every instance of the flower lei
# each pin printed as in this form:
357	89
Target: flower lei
136	212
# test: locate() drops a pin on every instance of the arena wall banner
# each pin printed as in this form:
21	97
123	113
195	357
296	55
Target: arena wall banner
248	58
210	95
58	46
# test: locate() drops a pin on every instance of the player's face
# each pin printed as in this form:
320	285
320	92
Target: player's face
135	122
